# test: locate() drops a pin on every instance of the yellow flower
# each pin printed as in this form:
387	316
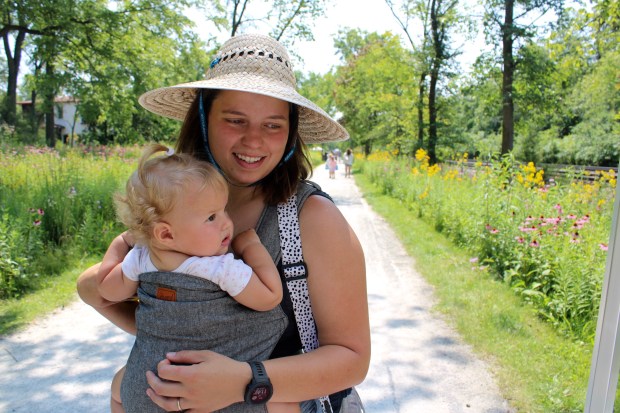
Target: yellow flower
432	170
421	155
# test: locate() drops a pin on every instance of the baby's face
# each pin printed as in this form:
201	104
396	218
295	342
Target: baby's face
200	223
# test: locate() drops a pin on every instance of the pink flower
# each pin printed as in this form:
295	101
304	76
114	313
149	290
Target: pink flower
602	246
40	211
520	240
534	244
472	260
36	222
494	231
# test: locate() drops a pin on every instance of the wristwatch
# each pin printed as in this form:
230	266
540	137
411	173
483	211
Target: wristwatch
259	390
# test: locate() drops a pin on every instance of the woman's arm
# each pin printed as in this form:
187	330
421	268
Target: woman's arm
121	314
337	286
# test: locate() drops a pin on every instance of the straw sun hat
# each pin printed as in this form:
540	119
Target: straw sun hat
250	63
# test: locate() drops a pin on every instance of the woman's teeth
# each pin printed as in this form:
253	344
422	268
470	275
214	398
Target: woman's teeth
248	159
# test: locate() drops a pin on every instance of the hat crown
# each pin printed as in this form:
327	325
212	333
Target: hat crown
253	54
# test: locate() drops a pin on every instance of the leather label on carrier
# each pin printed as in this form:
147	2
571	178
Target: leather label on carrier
166	294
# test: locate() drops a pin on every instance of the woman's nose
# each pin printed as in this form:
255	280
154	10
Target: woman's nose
252	136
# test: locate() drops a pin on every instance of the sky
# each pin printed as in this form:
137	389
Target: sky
369	15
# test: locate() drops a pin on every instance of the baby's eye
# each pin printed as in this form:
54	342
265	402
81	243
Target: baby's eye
211	218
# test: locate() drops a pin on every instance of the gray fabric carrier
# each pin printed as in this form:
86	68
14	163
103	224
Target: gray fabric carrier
202	317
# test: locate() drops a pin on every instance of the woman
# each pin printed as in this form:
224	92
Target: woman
247	119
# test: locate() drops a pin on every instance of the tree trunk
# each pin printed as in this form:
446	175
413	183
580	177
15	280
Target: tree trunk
421	92
34	117
9	111
432	117
438	52
507	95
50	133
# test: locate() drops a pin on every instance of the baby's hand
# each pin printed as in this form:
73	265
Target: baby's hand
244	240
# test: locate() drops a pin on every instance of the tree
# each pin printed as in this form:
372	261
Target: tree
422	52
438	19
510	29
13	16
442	15
375	90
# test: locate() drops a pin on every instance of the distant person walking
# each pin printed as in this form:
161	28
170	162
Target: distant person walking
337	154
348	163
332	166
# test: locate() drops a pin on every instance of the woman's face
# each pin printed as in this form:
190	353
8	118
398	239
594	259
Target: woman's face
247	134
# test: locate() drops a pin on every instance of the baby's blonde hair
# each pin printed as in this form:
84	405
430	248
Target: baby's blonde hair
154	188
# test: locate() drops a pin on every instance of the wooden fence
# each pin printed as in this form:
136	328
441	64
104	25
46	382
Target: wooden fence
555	172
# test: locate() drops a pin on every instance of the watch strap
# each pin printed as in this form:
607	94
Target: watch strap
259	374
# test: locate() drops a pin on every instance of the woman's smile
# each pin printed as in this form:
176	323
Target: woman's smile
249	159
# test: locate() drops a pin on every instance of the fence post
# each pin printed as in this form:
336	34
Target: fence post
606	355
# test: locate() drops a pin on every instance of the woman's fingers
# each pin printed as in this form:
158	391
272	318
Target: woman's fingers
189	356
169	404
164	387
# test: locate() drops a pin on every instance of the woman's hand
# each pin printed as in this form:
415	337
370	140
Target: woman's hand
210	381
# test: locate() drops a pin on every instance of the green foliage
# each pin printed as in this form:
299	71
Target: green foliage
375	90
56	204
547	242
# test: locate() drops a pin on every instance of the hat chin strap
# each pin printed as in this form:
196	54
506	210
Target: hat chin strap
205	141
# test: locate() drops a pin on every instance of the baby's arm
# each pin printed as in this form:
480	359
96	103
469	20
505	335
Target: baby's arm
264	291
112	284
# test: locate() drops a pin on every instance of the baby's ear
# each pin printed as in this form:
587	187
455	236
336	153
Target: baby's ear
162	233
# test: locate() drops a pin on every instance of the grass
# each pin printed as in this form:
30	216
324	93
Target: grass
537	369
51	293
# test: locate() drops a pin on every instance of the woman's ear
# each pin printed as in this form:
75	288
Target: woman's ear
162	233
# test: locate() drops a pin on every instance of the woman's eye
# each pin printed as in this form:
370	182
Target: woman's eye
235	121
274	126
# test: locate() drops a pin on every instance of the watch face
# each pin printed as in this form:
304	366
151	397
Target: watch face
260	394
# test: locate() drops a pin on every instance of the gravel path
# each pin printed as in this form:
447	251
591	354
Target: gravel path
64	362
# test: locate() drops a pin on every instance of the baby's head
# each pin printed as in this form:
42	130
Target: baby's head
155	187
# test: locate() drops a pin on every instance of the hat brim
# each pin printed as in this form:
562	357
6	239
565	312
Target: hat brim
315	125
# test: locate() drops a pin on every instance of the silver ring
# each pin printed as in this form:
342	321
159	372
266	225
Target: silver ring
179	404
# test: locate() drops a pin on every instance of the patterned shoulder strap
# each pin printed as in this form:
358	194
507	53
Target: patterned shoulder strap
295	274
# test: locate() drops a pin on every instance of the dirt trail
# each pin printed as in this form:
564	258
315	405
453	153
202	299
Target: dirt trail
64	362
